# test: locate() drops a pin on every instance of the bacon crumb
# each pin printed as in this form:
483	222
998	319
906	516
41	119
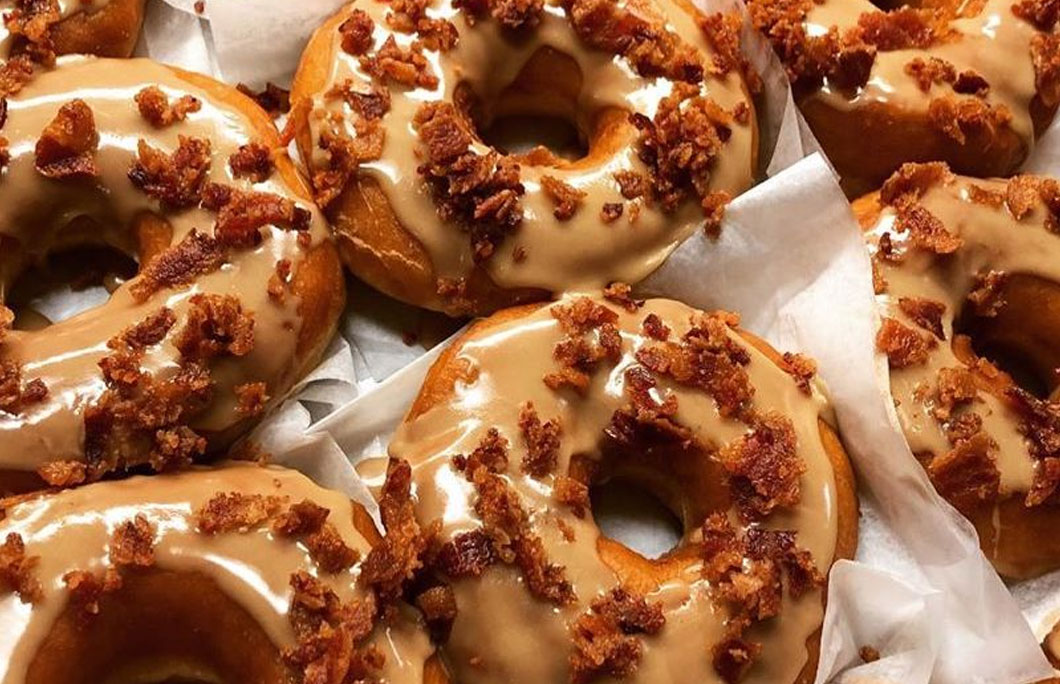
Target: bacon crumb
399	555
967	117
241	214
930	71
572	493
278	280
15	395
406	67
956	386
986	297
345	156
216	325
235	512
1044	14
566	197
62	473
764	467
150	331
133	543
1040	424
622	294
251	398
915	180
468	554
654	327
611	211
17	570
604	638
356	32
541	440
902	345
800	368
176	179
180	264
967	476
925	230
926	313
868	654
578	356
154	106
67	145
252	161
1045	55
438	605
86	589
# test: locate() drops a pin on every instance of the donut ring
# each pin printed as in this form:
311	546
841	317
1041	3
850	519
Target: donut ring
106	28
428	212
965	267
970	84
516	542
239	287
153	578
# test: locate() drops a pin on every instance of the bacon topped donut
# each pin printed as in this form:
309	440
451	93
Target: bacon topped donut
391	98
37	30
240	573
239	286
968	82
534	406
967	271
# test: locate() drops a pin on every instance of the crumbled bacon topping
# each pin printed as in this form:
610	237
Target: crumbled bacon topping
801	368
241	215
180	264
410	16
654	327
438	605
62	473
154	105
405	66
345	156
1040	424
15	73
611	211
764	466
468	554
911	181
235	512
961	119
632	185
356	32
176	179
307	522
67	145
622	294
252	161
517	14
133	543
903	345
605	641
15	395
216	325
565	197
33	21
967	475
577	355
1045	55
394	560
86	589
986	297
150	331
925	230
932	70
1044	14
541	440
956	386
251	398
926	313
479	191
723	32
572	493
278	280
17	570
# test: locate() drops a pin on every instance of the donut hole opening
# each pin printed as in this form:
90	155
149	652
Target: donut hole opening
632	515
520	134
66	283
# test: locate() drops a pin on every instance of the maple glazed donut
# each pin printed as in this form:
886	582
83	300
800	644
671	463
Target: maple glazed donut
730	435
239	286
971	83
240	573
967	269
389	104
38	30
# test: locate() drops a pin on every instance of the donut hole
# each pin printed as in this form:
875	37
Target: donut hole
520	134
1021	338
634	516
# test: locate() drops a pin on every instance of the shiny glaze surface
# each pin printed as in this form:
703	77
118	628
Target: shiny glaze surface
35	214
584	251
505	365
70	531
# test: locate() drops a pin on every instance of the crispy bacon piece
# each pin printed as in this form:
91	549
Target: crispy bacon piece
154	106
17	570
252	161
903	345
235	512
133	543
565	197
175	180
67	145
400	554
605	641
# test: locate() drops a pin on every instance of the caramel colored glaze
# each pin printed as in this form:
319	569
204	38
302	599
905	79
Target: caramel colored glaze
238	581
993	43
38	215
1018	539
484	380
389	227
107	28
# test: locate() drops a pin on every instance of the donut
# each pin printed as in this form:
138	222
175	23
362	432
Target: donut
240	573
968	280
885	83
731	436
239	286
390	102
40	30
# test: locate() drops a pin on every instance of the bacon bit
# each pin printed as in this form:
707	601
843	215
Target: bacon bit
654	327
154	106
1042	13
345	156
199	6
572	493
902	29
491	453
33	20
176	179
541	440
253	161
723	33
926	313
438	605
622	294
241	214
197	254
903	345
517	14
1021	195
5	154
650	47
15	73
399	555
370	106
604	645
67	144
915	180
986	296
356	32
644	419
632	184
956	386
330	634
967	476
468	554
216	325
714	204
480	192
14	395
611	211
274	99
707	358
410	16
733	657
407	67
985	196
578	356
308	522
964	118
62	474
925	230
566	198
971	83
86	589
764	467
1045	55
1040	424
150	331
930	71
801	368
251	399
235	512
278	281
133	543
680	146
17	570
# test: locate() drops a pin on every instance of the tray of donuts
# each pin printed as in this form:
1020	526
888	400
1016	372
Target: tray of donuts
290	386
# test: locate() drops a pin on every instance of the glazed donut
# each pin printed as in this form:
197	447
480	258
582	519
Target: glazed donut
241	573
41	30
239	286
390	99
730	435
967	270
968	83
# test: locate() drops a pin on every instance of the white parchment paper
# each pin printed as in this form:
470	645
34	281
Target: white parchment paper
792	262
